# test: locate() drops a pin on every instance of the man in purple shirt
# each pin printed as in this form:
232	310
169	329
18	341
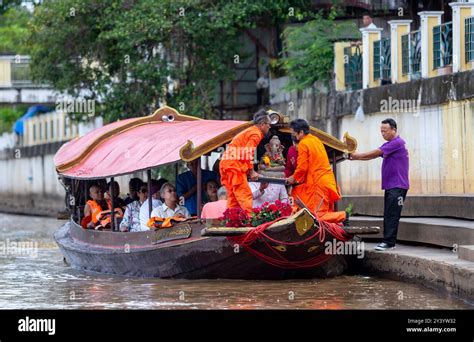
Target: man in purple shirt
394	179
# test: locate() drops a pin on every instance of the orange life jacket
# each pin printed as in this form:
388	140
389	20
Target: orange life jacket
159	222
105	217
96	209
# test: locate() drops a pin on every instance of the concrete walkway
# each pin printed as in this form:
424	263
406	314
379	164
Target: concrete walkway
444	232
432	267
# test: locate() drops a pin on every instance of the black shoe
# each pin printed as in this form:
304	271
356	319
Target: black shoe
383	246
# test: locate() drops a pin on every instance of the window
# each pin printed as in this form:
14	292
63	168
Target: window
469	38
442	45
405	55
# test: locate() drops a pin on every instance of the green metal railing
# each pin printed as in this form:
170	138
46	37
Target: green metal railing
382	59
20	73
411	53
353	68
443	45
469	38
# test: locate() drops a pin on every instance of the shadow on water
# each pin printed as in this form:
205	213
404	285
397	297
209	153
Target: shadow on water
43	281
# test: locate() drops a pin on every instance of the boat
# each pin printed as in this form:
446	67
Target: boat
291	247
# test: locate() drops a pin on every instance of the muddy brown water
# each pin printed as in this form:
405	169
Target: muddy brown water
37	278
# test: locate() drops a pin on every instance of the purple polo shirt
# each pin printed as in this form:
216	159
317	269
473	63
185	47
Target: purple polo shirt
395	164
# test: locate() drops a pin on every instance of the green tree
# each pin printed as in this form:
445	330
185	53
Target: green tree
310	49
132	55
14	31
7	4
8	116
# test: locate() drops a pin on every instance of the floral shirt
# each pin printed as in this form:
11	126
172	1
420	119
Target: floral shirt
131	218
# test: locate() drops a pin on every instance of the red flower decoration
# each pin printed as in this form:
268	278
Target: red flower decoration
237	217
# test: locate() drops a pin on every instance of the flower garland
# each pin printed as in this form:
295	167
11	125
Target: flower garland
267	212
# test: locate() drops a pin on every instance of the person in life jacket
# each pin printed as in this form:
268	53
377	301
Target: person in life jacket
113	187
105	218
94	207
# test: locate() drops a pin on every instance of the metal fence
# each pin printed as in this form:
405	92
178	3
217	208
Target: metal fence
443	45
20	72
353	67
411	53
469	38
382	59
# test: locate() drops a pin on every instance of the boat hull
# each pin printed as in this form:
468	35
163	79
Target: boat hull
194	257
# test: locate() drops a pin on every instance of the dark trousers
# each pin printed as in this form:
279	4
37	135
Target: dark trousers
394	200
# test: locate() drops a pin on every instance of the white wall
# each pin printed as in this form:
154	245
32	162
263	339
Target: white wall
440	144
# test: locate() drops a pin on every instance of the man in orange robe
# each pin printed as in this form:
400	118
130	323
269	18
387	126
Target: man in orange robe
316	187
237	162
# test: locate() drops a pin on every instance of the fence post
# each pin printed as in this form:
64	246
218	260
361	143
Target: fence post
339	61
429	19
397	29
461	10
369	35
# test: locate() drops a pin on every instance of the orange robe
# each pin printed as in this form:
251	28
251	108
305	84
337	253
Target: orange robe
236	162
318	189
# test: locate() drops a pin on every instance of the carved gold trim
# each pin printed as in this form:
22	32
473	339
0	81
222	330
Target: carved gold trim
188	152
280	248
304	222
348	145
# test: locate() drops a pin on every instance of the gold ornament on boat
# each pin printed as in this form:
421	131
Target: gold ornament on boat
280	248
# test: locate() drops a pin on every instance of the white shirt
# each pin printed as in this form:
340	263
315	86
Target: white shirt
164	212
272	193
144	217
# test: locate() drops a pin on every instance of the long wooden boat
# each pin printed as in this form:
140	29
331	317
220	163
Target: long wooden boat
192	249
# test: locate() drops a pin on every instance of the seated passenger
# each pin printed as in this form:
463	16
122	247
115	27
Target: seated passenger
118	202
94	207
291	158
170	207
211	191
131	218
133	187
155	202
215	169
214	210
265	192
186	184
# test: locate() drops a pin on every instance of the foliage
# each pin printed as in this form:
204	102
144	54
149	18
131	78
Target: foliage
310	49
8	116
136	55
14	31
7	4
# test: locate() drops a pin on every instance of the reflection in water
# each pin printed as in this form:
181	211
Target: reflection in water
44	281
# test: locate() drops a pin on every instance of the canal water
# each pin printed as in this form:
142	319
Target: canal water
39	279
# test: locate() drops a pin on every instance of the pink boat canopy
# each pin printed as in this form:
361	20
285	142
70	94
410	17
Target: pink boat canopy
137	144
